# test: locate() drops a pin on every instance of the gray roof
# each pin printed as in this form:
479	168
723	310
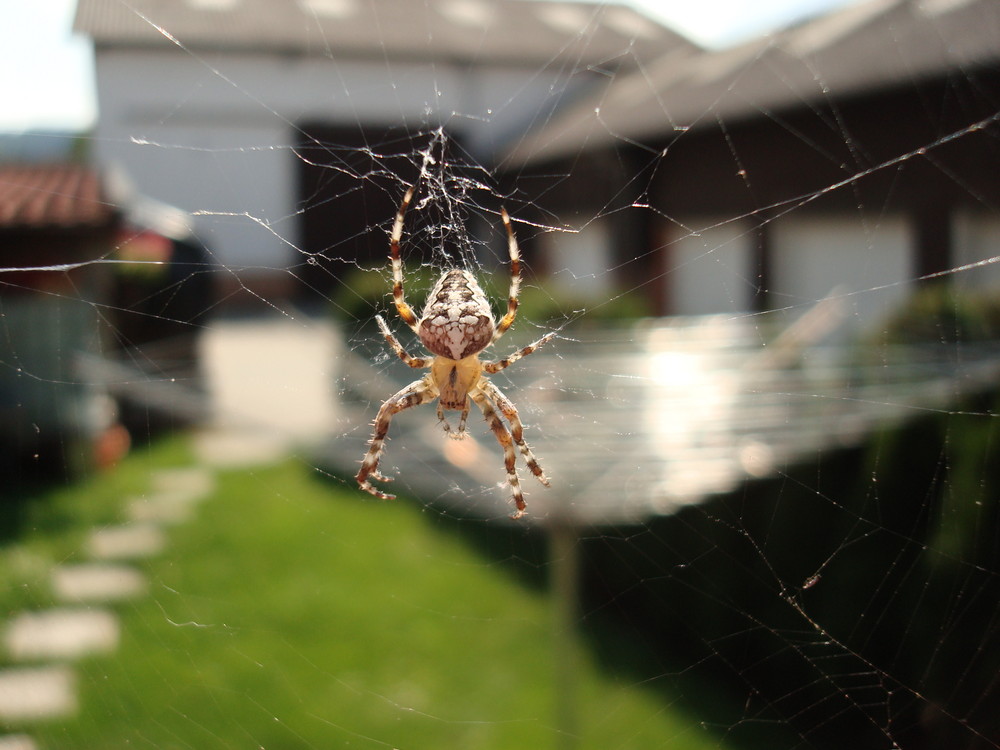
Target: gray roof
52	197
479	31
866	46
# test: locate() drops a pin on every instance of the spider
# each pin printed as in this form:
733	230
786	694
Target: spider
457	324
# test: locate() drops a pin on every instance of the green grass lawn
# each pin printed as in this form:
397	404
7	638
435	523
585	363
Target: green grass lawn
296	613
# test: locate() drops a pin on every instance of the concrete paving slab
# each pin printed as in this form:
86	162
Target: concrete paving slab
31	694
131	541
194	482
97	582
61	634
292	360
234	448
162	508
17	742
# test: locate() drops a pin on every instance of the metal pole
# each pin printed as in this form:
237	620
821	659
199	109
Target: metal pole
564	561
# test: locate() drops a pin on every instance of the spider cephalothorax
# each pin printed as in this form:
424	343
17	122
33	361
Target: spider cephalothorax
456	325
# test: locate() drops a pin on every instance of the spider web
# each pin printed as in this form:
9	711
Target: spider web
776	517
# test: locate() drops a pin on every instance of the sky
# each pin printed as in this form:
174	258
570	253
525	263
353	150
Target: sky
46	72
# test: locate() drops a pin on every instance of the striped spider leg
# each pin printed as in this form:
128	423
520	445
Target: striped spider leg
455	326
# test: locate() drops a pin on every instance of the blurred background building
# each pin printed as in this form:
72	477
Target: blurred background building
263	114
852	150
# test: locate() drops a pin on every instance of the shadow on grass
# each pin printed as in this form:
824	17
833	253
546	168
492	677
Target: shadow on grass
632	645
756	611
650	648
31	485
25	480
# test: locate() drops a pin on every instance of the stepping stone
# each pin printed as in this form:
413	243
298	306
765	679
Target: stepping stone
17	742
165	508
233	448
61	634
131	541
174	496
193	482
96	582
36	693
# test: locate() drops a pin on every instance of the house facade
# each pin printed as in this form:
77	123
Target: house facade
851	156
255	114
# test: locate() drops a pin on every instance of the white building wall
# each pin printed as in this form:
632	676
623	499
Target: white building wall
580	262
976	239
213	134
711	267
867	267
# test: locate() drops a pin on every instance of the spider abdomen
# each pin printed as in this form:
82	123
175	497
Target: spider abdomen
457	321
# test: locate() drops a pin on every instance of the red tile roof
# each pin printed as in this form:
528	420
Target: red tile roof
52	197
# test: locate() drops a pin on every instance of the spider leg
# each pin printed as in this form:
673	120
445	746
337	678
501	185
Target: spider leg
404	310
508	409
397	347
416	393
502	364
504	438
515	278
460	433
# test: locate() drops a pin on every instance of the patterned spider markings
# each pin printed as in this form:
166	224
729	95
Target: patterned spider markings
456	325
